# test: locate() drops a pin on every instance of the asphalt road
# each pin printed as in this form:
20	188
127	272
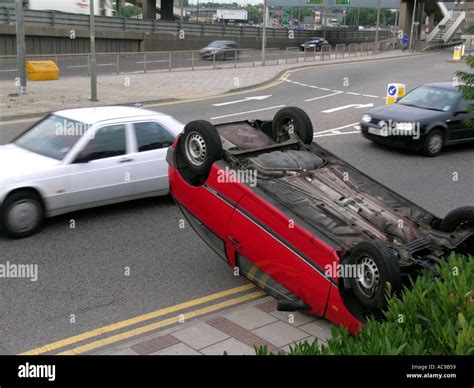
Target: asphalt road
81	270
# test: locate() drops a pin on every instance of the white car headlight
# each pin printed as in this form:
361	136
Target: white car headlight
366	118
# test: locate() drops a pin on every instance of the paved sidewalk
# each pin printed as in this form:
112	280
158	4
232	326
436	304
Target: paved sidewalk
235	331
73	92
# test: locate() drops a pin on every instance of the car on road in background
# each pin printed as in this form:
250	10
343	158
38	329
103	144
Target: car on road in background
315	42
426	120
307	227
81	158
221	50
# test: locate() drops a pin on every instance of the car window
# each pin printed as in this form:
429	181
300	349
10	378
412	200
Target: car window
53	137
152	136
108	142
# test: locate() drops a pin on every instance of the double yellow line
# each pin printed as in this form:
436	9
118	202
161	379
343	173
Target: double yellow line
150	327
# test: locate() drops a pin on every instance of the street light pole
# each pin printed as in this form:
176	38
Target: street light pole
21	46
378	22
93	61
264	31
412	26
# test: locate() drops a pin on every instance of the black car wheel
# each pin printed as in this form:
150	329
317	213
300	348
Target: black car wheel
292	120
21	215
200	145
460	219
434	143
376	266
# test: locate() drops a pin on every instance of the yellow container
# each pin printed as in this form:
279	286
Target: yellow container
457	53
42	70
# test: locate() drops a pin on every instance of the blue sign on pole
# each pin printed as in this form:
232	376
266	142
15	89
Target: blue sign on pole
392	91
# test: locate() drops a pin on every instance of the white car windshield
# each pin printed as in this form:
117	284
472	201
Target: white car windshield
430	98
53	137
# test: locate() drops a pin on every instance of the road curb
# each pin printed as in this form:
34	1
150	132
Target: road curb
236	90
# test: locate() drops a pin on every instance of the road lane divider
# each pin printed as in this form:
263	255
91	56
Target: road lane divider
132	321
161	324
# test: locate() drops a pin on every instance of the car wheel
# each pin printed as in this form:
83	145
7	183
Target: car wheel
200	145
376	266
292	120
458	220
434	142
22	214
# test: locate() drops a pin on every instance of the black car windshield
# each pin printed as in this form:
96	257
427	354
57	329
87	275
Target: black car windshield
53	137
430	98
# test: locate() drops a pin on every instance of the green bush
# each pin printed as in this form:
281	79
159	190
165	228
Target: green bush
433	317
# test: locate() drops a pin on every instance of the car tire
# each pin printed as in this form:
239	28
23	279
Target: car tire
433	143
200	146
457	217
379	266
21	215
291	119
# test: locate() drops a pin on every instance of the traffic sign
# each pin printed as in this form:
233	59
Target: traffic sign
286	16
315	2
342	2
395	92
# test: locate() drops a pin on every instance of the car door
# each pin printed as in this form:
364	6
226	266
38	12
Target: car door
149	170
271	252
459	130
99	173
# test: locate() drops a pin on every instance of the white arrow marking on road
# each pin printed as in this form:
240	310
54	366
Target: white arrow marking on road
258	98
356	106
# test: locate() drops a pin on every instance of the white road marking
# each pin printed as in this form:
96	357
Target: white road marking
247	112
318	98
355	106
257	98
334	129
326	89
337	134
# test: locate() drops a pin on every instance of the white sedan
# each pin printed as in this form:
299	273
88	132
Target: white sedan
81	158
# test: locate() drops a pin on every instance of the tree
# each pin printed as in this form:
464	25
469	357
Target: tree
465	81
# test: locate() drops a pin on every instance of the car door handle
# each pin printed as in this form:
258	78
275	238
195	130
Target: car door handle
125	160
234	242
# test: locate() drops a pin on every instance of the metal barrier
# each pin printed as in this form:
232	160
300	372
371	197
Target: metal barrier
309	54
353	47
364	49
340	50
325	52
143	62
67	20
292	53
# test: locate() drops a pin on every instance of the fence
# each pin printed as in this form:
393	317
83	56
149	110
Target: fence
142	62
71	21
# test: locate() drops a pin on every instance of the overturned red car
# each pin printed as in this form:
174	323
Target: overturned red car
313	231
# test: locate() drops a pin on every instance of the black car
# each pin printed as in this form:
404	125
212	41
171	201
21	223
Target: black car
315	42
426	120
222	49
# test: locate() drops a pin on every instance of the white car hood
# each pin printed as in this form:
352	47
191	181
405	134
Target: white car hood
16	162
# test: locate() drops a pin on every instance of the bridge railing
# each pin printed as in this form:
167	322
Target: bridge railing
72	21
